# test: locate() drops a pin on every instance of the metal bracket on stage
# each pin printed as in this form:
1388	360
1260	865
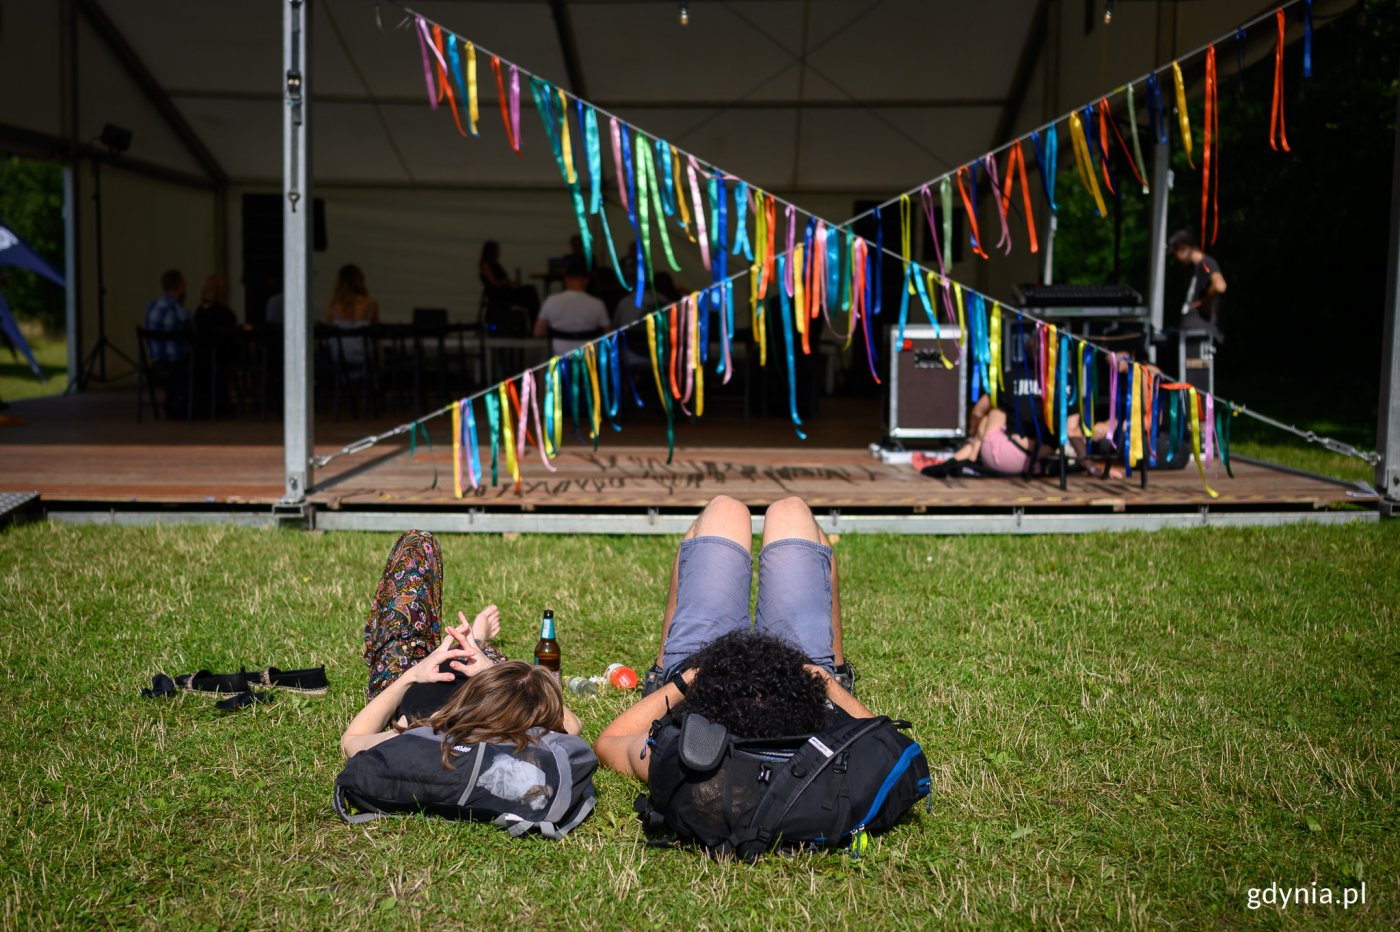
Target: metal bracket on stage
294	515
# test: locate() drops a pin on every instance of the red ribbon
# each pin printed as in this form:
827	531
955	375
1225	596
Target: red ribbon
1016	161
501	98
1127	154
1103	142
444	84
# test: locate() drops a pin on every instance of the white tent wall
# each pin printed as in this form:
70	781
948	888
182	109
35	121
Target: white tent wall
149	226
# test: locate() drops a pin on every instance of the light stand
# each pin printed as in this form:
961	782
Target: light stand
116	140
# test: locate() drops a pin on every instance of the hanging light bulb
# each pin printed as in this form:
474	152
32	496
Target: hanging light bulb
1108	12
685	13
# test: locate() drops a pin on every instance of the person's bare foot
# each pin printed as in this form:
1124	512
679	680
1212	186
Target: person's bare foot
921	460
486	625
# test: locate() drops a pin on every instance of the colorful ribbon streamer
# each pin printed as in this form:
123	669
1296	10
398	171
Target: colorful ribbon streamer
1210	156
1183	116
1278	131
1083	162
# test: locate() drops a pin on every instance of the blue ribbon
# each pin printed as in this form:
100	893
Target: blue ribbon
668	199
719	255
741	221
972	236
1154	108
879	263
472	452
904	307
589	120
1125	418
1307	38
454	59
616	352
786	314
493	424
544	104
922	289
1062	390
1154	425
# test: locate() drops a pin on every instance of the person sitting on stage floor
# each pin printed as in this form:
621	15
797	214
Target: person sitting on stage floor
168	314
572	311
992	443
787	676
467	691
1201	310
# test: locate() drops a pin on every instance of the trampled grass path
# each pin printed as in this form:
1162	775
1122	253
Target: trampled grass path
1123	730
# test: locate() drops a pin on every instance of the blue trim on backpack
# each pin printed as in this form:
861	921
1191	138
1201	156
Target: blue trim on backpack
895	773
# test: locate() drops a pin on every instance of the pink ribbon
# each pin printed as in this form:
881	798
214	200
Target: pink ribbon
530	402
1112	398
699	216
424	43
789	280
515	105
617	164
1004	244
1209	429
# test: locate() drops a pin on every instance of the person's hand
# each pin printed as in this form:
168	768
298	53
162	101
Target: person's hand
428	670
821	672
466	634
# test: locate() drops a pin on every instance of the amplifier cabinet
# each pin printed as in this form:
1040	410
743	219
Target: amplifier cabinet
927	400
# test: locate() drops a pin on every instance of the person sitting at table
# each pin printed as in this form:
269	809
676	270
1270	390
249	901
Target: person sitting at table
351	308
215	324
573	316
502	292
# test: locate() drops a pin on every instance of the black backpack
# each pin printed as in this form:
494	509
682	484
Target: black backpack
547	786
745	797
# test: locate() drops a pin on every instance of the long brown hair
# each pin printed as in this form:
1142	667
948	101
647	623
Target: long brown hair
349	284
501	704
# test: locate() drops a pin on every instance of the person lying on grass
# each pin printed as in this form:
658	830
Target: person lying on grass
457	684
784	678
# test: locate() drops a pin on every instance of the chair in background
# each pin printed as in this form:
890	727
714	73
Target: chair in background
173	379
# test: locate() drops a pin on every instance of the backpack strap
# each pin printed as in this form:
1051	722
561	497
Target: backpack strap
359	818
804	768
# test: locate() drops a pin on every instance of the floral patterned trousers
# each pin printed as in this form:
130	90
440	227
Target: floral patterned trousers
405	619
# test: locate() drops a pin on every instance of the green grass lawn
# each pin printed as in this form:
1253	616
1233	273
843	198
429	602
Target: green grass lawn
1122	730
18	381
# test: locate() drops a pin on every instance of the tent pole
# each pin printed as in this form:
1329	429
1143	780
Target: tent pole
1388	426
1157	276
296	257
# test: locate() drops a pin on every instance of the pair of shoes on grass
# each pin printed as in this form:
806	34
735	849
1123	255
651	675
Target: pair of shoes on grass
239	687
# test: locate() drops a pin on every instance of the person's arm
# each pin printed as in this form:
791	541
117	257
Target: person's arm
572	726
367	728
839	696
1217	285
621	744
541	326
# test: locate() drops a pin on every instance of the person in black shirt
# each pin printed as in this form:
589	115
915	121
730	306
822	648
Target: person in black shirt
500	289
1201	310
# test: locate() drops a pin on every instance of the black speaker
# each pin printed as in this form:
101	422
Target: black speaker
262	248
927	388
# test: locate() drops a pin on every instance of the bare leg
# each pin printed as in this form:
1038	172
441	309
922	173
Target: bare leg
791	517
722	517
967	453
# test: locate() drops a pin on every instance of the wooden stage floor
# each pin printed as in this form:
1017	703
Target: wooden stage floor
89	450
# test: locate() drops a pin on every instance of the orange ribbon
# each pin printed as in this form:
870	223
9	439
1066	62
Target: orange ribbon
1103	143
971	216
1210	208
1014	162
444	83
501	98
1278	133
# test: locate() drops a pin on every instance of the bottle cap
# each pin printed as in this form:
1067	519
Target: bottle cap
622	676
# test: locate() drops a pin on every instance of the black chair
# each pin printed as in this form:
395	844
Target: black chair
349	353
172	378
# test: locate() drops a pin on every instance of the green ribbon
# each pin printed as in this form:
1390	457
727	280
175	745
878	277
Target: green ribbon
646	163
1137	146
413	446
945	197
1222	433
575	363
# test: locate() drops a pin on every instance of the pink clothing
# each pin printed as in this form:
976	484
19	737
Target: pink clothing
1001	453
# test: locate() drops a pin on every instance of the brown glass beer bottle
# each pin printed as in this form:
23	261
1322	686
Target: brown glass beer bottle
547	649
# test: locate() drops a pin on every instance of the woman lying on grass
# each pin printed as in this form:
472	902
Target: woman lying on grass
466	693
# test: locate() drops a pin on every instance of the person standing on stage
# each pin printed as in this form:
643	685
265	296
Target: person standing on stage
1202	308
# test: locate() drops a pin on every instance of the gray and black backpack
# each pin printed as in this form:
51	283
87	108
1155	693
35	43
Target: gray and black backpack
547	786
745	797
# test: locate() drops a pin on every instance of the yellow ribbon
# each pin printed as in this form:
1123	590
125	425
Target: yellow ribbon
590	357
473	113
457	449
1052	352
906	230
1135	448
508	434
564	140
962	317
651	345
1084	163
995	382
680	194
695	357
1183	116
558	405
799	306
1196	439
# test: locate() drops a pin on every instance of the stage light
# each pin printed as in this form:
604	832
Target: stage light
685	13
1108	12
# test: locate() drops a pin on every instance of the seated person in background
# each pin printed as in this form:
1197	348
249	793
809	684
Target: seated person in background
1201	310
351	308
770	681
215	325
466	691
501	291
350	300
663	294
992	443
573	316
168	314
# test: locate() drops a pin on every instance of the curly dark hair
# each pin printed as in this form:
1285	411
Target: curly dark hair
755	685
